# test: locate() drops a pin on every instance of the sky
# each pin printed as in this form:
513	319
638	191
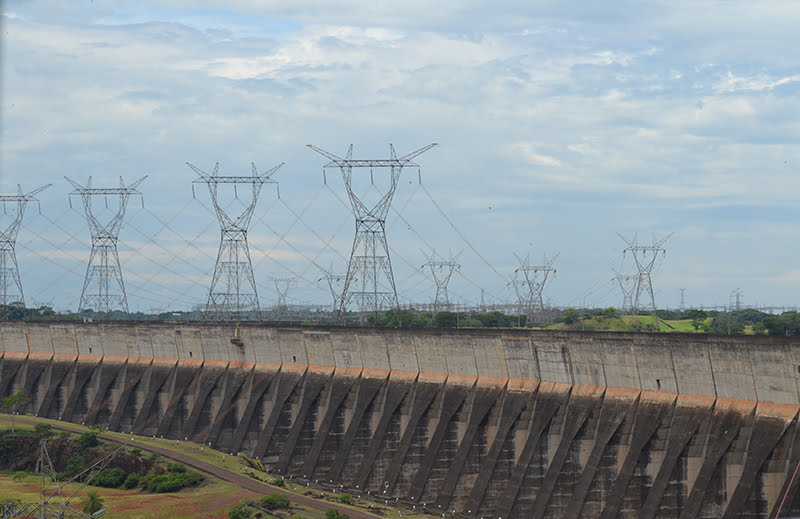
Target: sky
562	128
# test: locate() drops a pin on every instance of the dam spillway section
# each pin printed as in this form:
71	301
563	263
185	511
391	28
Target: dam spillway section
476	422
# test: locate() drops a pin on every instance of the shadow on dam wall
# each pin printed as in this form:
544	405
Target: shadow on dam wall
486	423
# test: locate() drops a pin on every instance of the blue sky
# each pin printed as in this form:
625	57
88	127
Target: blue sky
560	124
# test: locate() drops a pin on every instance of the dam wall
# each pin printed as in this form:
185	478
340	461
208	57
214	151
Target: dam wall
478	423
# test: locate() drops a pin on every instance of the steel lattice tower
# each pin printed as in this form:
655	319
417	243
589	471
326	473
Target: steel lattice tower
529	288
645	256
104	267
335	282
627	284
233	295
370	267
441	270
10	283
282	286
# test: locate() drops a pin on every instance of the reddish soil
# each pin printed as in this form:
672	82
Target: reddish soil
225	475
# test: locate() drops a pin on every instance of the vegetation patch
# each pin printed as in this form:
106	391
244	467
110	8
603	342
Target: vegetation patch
274	501
173	482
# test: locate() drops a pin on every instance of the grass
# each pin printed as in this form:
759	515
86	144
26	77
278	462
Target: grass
645	323
212	499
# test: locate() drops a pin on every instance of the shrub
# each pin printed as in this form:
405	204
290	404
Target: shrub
345	498
238	513
275	501
19	475
278	482
136	452
132	480
88	439
42	429
145	481
74	465
173	482
176	467
109	478
335	514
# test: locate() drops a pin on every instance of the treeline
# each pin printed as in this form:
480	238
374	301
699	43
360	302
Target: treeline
19	312
711	321
412	319
737	321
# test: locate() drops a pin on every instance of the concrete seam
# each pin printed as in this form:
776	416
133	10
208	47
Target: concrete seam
674	373
711	366
752	373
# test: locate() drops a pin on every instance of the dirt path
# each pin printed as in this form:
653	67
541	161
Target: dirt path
223	474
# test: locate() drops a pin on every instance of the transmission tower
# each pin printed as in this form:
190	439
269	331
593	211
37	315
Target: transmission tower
627	284
529	281
104	267
10	284
441	270
645	256
335	284
369	280
282	286
52	503
736	294
233	295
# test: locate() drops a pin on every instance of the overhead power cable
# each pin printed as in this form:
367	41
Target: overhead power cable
460	234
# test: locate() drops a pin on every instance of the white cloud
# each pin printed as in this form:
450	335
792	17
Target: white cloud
529	153
732	83
554	119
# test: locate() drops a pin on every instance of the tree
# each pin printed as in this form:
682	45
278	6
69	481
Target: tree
12	403
570	316
788	323
445	320
698	318
92	502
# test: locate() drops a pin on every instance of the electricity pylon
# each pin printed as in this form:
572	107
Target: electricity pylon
370	267
233	295
737	295
645	256
441	270
282	286
529	288
627	284
10	283
104	267
335	284
52	503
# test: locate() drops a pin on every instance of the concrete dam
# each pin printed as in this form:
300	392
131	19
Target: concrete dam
477	423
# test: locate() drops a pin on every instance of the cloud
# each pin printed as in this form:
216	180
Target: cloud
732	83
559	124
527	150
